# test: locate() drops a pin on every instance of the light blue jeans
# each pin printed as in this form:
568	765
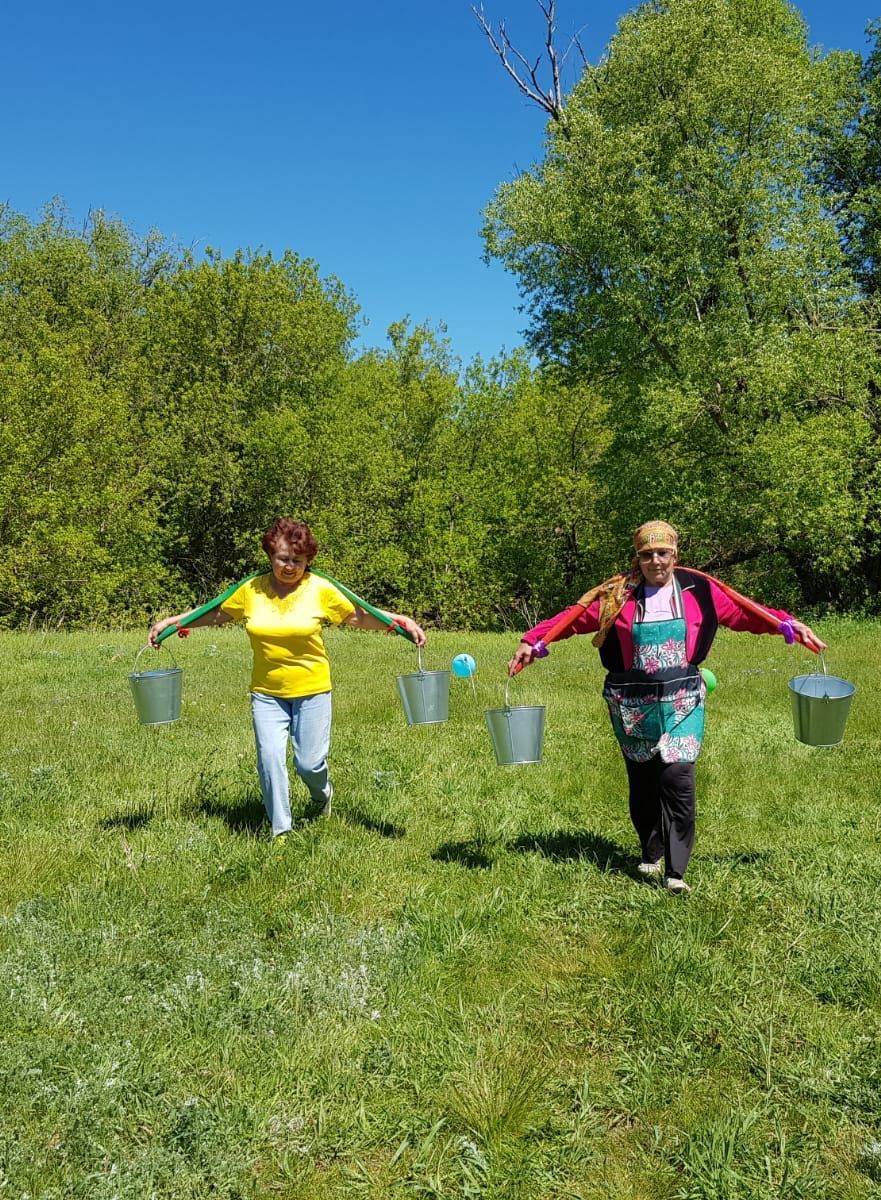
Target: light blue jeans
306	721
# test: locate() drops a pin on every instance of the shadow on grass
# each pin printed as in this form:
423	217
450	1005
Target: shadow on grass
128	820
467	854
563	846
248	816
232	875
739	858
355	816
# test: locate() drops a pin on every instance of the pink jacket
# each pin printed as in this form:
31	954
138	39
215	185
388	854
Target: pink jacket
706	608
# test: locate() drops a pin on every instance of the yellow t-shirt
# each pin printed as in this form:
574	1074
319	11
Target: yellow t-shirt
289	655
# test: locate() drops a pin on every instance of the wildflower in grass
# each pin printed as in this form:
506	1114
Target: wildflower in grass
472	1153
869	1160
384	779
288	1133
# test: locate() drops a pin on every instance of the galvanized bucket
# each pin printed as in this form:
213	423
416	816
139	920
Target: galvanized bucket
156	693
425	695
516	732
820	706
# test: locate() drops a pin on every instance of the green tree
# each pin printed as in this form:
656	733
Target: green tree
77	536
420	399
241	354
533	443
851	167
678	257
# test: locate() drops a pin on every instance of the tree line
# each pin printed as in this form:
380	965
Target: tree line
698	253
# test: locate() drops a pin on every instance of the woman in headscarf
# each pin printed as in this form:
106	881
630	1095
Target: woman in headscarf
653	626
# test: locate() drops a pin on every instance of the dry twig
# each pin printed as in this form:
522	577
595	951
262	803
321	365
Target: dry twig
525	75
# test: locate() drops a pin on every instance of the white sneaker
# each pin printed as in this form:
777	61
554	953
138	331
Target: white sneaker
321	808
677	886
650	868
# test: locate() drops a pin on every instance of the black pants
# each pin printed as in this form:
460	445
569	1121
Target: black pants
662	809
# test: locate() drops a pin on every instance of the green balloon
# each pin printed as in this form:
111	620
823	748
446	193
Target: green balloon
709	680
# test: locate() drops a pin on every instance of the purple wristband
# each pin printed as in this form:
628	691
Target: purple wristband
540	649
788	631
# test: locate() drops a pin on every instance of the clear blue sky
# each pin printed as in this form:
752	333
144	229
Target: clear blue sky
367	136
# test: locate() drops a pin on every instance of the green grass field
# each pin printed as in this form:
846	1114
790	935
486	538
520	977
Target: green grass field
456	986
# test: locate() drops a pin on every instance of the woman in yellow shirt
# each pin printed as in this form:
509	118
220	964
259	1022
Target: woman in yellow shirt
283	612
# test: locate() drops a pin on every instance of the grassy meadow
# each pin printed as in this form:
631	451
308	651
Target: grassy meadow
454	987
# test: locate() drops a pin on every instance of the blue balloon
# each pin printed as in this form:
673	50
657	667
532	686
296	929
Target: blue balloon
464	666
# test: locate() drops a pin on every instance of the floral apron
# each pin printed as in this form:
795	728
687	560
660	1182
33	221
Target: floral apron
657	707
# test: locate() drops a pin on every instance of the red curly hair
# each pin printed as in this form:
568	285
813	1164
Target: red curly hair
297	534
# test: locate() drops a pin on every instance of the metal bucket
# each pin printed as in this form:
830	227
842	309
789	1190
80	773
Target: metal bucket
516	733
156	693
425	695
820	705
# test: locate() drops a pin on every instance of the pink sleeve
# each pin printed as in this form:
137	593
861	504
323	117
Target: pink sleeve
734	616
587	622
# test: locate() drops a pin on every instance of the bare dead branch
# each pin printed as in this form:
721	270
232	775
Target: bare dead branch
532	68
551	24
550	99
575	41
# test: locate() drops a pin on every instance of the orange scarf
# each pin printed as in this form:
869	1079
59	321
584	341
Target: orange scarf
614	594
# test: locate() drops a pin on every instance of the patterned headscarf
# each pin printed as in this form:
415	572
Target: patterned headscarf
655	535
614	593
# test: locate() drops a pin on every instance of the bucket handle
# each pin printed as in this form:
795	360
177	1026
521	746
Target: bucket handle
149	647
822	660
419	669
509	679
